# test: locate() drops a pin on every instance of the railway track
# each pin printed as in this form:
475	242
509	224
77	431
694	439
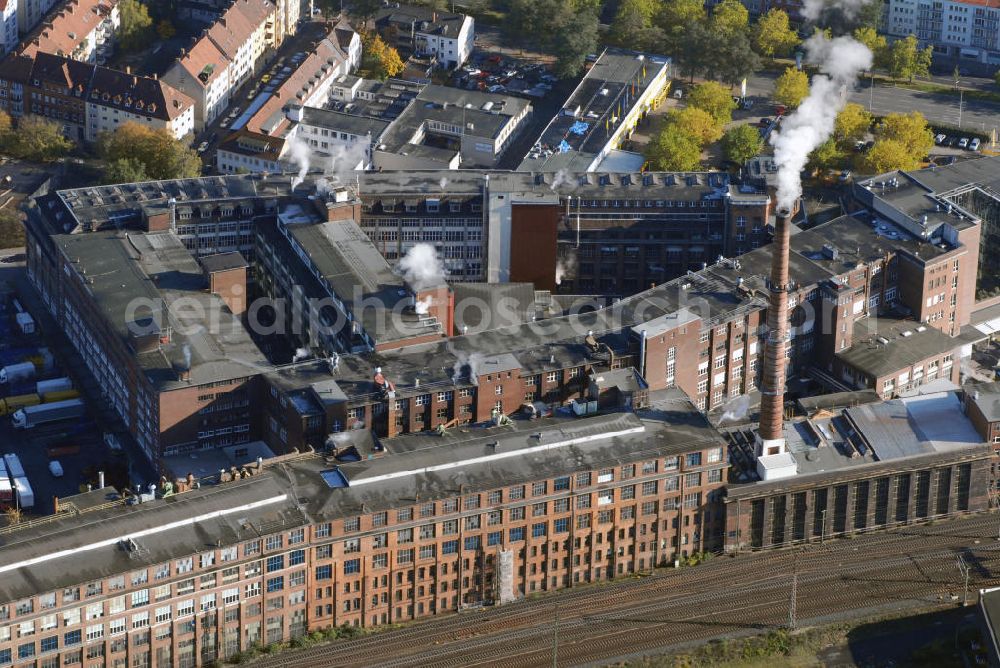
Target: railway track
900	568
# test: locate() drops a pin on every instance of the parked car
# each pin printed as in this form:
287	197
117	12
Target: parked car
496	88
974	144
202	147
845	176
55	468
963	142
780	109
940	138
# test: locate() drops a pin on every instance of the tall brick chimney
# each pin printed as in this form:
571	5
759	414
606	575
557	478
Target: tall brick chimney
771	440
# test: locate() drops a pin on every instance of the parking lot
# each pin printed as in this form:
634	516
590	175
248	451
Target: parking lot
76	443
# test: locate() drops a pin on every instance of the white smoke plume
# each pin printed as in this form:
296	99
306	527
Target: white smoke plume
186	350
466	364
422	268
323	187
563	267
443	183
839	60
423	306
300	154
300	354
562	178
813	9
736	409
344	161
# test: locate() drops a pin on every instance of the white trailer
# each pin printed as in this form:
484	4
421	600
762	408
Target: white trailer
25	495
15	373
32	416
54	385
14	468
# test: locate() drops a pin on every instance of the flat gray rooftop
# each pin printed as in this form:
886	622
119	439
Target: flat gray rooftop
884	345
932	423
121	268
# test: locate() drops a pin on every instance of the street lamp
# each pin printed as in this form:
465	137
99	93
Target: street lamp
961	99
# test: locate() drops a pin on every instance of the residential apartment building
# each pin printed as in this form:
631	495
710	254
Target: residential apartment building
8	26
225	57
88	99
962	29
424	31
30	12
81	29
270	128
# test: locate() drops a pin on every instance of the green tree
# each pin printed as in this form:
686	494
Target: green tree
135	28
379	58
11	229
125	170
675	18
694	47
910	130
165	29
673	150
852	124
730	18
876	44
680	13
907	60
573	41
826	156
729	58
713	98
696	122
996	78
36	138
742	142
5	124
773	36
791	87
888	155
632	20
135	151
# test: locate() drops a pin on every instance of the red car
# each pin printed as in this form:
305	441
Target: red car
780	109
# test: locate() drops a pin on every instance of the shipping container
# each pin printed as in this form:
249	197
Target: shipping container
6	492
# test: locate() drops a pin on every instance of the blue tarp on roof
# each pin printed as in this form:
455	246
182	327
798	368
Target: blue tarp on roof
579	128
564	147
